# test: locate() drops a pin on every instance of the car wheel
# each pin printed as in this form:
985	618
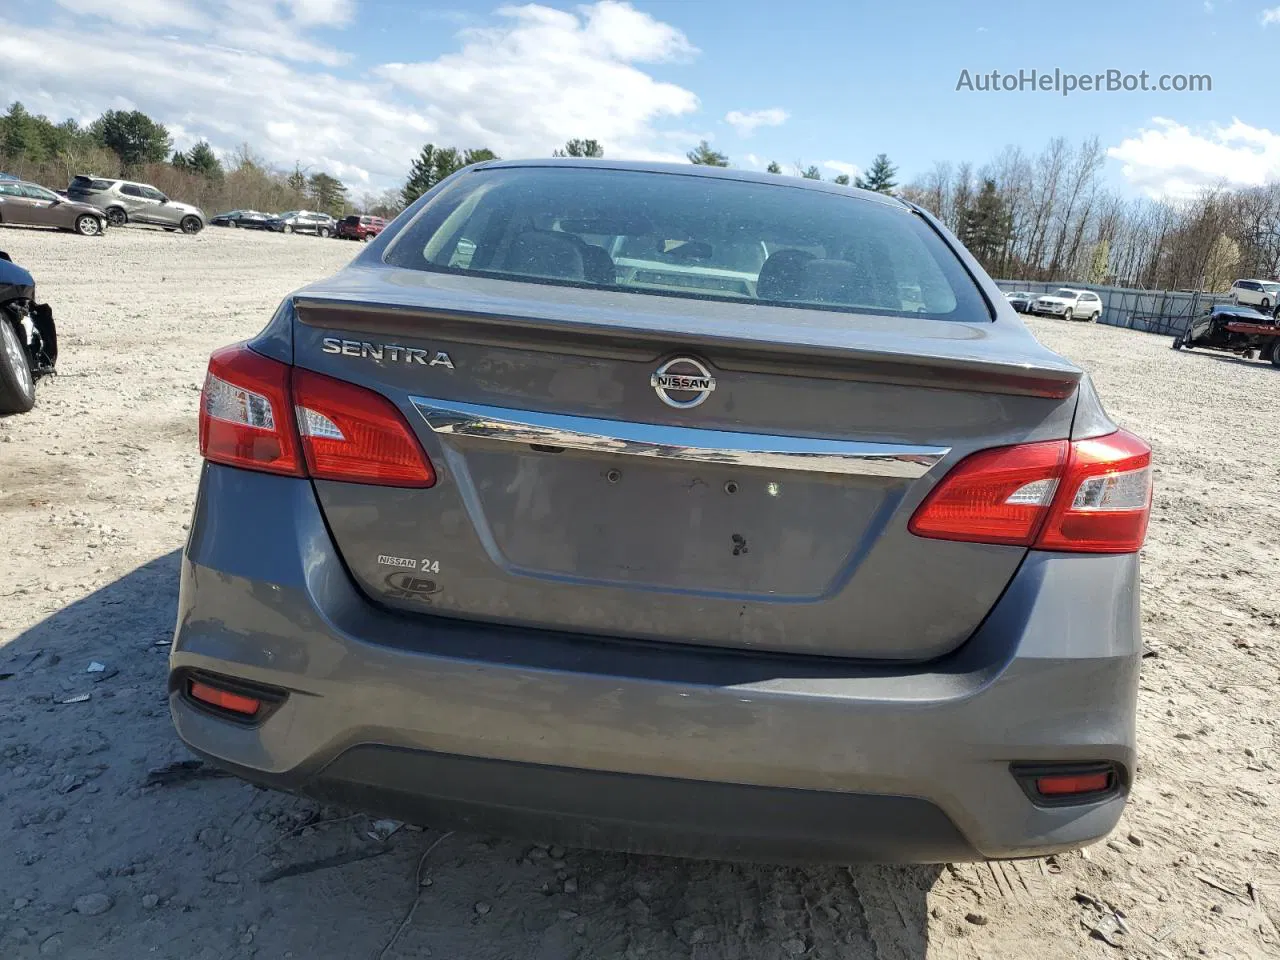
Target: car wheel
288	228
1069	315
17	386
1096	315
191	225
1275	352
1177	343
88	225
117	217
324	232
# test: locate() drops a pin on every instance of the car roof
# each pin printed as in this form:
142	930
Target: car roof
694	170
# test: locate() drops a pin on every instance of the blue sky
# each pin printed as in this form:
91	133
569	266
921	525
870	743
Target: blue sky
356	86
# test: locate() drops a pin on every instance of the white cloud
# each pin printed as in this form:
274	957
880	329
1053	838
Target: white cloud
247	71
839	166
747	122
1268	17
1169	159
544	75
140	13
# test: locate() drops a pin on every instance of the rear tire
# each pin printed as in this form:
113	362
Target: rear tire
191	225
88	226
324	232
1275	353
117	217
1069	315
17	385
288	228
1177	343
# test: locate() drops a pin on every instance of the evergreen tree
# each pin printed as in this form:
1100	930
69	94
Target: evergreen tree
843	180
132	136
297	181
580	148
703	155
985	226
478	155
811	173
199	159
880	177
327	194
773	167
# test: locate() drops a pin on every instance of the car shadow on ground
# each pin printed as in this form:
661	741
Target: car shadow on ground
123	846
1225	357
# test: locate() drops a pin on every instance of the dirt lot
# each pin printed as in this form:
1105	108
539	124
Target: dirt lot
95	489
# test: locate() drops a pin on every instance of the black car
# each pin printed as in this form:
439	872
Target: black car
250	219
1234	329
1021	301
28	338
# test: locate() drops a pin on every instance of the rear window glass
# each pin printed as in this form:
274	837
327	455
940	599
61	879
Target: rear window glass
691	236
88	183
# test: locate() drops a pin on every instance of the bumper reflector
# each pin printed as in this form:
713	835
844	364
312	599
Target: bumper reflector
224	699
1064	785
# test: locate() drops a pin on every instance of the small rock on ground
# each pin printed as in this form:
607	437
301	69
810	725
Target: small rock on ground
92	904
977	919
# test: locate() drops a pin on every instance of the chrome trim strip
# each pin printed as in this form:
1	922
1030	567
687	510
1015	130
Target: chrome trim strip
688	444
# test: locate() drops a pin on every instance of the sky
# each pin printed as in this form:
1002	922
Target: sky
356	87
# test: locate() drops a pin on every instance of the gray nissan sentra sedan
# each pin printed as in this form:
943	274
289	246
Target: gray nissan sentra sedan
670	509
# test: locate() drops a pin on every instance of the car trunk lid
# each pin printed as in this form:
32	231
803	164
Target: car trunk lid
770	514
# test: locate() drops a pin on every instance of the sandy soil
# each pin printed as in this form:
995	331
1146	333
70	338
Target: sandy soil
95	489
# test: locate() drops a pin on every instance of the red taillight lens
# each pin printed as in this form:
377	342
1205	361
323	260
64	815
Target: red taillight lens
246	419
1089	496
1106	497
994	496
353	434
342	431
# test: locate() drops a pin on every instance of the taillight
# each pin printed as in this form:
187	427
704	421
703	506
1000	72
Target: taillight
246	419
1087	496
353	434
341	431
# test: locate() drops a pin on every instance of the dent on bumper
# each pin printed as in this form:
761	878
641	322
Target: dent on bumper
1050	676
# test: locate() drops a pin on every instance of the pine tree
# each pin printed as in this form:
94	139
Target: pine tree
327	194
880	177
478	155
580	148
202	160
811	173
842	179
132	136
422	175
297	180
773	167
985	226
703	155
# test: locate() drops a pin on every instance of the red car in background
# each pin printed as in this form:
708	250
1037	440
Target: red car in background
360	228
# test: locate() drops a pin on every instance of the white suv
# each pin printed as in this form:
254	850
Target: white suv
1256	293
124	201
1069	304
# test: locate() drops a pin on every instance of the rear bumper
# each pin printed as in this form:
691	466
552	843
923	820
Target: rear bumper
645	747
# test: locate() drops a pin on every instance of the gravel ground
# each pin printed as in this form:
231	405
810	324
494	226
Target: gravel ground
95	861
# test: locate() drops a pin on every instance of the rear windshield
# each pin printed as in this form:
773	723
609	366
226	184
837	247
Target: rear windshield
690	236
88	183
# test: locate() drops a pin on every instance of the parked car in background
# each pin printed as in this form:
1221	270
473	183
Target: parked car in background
1069	304
250	219
1021	301
304	221
843	567
124	201
360	228
28	338
1256	293
29	204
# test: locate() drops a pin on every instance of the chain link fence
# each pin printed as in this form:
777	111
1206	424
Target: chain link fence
1155	311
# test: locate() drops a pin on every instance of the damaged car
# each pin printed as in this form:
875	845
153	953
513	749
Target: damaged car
28	338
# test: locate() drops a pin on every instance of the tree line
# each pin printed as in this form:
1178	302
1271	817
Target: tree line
1044	216
131	144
